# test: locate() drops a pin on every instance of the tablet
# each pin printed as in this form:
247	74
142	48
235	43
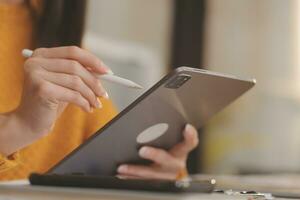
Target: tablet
157	118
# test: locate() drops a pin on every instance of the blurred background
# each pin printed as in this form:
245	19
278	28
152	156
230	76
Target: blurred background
144	39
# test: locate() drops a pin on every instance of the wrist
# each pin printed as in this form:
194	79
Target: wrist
20	124
25	126
10	134
15	134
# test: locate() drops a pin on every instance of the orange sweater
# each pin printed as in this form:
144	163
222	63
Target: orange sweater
73	126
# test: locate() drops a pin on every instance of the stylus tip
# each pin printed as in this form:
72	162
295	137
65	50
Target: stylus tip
136	86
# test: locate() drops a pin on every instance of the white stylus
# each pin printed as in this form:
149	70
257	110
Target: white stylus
107	77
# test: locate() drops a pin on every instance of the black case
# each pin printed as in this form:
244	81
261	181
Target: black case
111	182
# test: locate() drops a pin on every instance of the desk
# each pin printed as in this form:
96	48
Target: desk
23	191
277	184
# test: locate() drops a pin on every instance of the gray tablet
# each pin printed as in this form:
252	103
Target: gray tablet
156	118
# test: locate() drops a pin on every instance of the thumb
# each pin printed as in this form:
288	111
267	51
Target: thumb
188	144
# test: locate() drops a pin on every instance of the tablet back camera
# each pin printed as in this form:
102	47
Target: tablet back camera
178	81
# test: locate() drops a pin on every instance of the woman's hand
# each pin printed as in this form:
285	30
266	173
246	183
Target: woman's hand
55	77
168	165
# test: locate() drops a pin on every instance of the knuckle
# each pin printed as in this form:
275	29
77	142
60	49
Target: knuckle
39	51
76	82
77	97
33	74
29	63
73	51
73	65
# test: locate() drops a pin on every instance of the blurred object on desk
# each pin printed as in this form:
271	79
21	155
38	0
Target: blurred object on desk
288	184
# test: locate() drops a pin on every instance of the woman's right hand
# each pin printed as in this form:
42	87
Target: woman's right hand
55	77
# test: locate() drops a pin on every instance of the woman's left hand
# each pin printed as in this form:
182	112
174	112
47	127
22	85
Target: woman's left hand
167	165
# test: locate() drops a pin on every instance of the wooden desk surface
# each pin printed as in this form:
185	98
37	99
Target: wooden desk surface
25	192
21	190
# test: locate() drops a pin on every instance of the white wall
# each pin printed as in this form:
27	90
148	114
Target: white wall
261	131
140	21
137	28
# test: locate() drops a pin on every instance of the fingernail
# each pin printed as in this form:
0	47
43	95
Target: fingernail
121	177
188	129
143	151
122	169
99	89
91	110
106	95
98	103
109	71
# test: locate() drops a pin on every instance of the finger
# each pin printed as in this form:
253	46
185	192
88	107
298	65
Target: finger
75	83
190	142
74	68
160	157
145	172
83	56
54	93
127	177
